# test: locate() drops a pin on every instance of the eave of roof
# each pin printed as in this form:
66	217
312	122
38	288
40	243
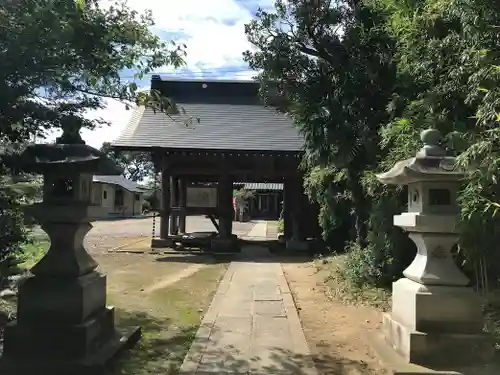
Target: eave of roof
121	181
275	186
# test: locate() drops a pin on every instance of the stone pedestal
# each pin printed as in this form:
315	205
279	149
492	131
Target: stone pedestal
436	318
162	242
63	325
436	325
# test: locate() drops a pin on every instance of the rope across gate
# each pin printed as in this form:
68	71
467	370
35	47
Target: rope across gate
155	188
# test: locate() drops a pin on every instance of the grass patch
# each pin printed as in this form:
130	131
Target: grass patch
343	290
33	251
161	350
492	314
169	318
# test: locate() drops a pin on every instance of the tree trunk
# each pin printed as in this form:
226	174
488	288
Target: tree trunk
360	205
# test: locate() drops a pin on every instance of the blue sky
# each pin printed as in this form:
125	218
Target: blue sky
213	31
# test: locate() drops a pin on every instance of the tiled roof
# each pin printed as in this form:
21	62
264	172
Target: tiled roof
226	123
259	185
120	181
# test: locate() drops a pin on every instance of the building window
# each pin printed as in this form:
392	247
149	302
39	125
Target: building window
137	197
105	194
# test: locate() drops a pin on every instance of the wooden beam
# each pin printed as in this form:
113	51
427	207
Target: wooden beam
165	211
225	205
174	197
182	205
256	173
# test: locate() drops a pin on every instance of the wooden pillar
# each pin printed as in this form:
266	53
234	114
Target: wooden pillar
174	203
287	207
182	205
298	214
277	207
225	205
165	203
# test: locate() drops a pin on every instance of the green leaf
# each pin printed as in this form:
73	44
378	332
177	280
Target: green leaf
92	81
80	5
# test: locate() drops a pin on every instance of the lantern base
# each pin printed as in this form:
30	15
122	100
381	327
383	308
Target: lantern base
394	364
437	349
63	327
436	325
96	362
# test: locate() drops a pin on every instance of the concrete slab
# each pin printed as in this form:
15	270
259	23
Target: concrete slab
252	327
259	230
270	308
271	333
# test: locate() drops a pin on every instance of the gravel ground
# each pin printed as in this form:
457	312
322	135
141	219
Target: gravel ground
108	234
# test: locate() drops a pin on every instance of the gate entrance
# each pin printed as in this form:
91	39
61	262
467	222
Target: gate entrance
237	138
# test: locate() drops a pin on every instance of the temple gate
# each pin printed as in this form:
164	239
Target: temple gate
234	137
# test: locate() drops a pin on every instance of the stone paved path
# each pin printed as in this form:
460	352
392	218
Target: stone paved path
258	230
252	326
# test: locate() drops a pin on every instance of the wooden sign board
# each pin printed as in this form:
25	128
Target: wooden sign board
201	197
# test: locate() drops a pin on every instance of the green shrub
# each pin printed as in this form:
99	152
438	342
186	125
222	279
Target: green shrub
12	231
360	267
281	226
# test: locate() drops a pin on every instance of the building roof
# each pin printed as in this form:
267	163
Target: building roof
120	181
231	117
260	186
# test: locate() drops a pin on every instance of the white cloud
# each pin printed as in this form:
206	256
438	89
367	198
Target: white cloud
215	39
214	29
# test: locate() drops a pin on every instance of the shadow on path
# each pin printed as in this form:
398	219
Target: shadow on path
252	251
161	353
273	361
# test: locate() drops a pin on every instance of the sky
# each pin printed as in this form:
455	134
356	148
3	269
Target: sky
213	31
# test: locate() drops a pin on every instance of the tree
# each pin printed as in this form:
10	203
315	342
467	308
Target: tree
450	53
59	59
137	166
333	67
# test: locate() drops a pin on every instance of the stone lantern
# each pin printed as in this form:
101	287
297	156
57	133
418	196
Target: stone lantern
63	325
436	317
